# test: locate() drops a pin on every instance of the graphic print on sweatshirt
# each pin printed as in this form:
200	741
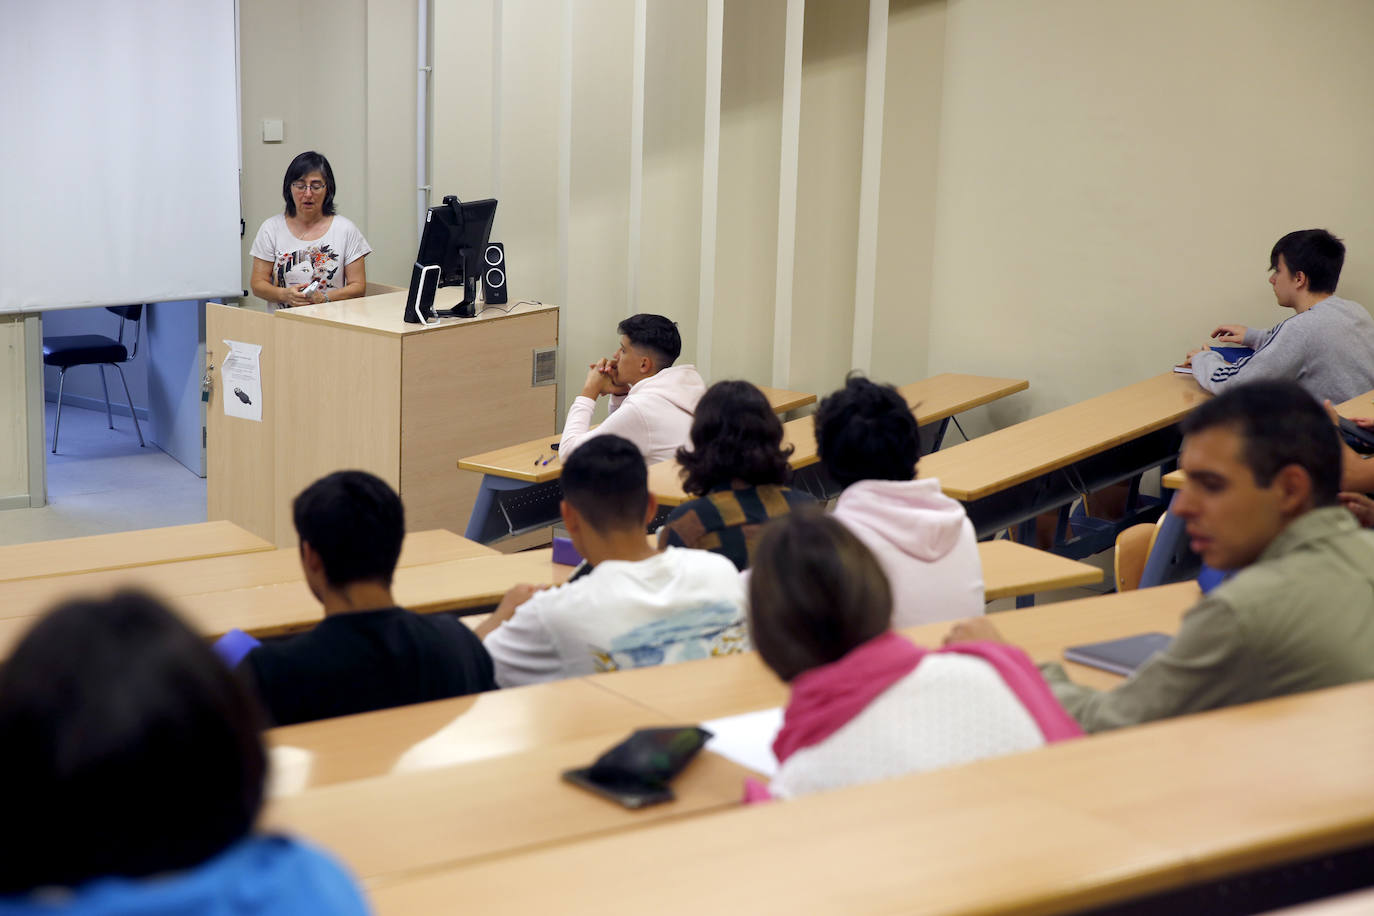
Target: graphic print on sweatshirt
314	262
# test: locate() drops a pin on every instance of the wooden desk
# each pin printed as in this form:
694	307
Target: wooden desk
144	547
933	400
265	594
524	465
440	817
1075	825
1012	570
1010	476
351	385
715	687
448	732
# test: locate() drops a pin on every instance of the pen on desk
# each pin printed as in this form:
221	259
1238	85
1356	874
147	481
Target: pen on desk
540	458
548	459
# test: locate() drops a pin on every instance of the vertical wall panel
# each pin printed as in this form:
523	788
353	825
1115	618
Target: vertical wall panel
530	89
674	137
747	218
906	214
870	176
463	80
598	220
390	136
828	192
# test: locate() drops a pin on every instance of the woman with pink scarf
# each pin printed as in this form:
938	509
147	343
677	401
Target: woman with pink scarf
866	703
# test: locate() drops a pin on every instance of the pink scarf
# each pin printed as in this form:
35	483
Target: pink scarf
825	698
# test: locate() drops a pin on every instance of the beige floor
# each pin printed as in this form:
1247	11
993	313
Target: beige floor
101	481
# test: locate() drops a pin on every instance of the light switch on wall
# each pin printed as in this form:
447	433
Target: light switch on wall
271	131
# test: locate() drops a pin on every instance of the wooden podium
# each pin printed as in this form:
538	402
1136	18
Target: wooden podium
351	385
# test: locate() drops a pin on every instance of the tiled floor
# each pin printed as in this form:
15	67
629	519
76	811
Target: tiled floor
101	481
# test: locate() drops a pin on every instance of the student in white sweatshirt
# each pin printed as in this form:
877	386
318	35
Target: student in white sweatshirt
868	443
637	607
651	400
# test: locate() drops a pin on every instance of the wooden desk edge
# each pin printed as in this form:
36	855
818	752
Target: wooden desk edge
987	397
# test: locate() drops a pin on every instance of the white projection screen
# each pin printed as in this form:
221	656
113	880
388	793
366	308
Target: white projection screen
119	160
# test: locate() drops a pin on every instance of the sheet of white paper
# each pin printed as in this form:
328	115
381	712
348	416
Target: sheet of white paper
747	739
240	378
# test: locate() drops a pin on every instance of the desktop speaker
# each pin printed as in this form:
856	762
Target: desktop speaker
494	273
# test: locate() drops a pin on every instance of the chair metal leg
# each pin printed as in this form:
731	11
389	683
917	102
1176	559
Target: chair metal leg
61	381
109	416
129	398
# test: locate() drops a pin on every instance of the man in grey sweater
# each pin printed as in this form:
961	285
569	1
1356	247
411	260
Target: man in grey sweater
1264	469
1327	347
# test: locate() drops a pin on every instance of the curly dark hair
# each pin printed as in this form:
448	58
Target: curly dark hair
735	436
865	431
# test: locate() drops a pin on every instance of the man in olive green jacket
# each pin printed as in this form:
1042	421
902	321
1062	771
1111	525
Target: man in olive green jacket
1263	465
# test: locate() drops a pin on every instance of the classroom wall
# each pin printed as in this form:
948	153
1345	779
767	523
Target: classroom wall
353	100
1113	175
1072	192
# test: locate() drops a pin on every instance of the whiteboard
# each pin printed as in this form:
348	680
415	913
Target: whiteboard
119	165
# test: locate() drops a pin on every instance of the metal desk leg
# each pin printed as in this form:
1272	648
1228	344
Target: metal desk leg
486	514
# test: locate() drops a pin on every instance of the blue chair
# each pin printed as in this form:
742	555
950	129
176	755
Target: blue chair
95	350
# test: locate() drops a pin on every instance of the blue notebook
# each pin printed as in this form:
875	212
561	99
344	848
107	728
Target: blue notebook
1119	656
1230	354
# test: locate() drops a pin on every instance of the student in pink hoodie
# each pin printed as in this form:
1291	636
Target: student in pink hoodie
868	443
651	399
866	703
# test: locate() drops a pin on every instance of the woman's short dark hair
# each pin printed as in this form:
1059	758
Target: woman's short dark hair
816	592
307	162
128	747
735	436
865	431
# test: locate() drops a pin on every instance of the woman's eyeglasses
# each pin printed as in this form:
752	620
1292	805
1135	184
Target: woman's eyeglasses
316	186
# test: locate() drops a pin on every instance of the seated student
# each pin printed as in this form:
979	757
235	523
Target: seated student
868	443
867	704
135	771
1260	499
737	469
1327	347
367	653
652	400
637	607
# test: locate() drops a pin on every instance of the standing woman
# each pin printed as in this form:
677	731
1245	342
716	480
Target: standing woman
308	243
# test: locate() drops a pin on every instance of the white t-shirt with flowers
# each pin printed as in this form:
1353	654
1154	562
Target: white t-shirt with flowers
295	261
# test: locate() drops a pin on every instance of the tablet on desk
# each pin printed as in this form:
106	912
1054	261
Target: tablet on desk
1119	656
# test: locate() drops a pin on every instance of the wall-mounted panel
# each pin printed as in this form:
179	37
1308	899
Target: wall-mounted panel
906	213
598	220
674	118
828	170
747	215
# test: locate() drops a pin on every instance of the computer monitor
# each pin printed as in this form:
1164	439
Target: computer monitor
455	237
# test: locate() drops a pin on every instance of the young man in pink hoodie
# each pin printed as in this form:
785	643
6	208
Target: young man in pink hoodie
652	401
868	443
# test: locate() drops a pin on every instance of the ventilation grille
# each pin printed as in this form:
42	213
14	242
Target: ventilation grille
544	366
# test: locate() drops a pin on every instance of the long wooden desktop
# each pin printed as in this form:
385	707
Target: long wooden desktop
351	385
517	491
149	546
934	401
1009	477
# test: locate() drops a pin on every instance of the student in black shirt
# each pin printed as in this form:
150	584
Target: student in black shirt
367	653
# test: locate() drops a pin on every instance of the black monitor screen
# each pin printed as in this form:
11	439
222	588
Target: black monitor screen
454	232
